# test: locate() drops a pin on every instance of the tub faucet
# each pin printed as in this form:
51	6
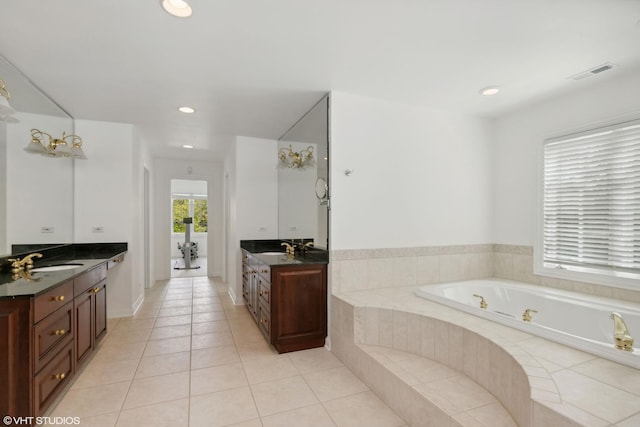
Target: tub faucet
621	336
526	316
483	303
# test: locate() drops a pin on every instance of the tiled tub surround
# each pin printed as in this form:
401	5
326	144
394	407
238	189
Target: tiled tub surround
361	269
540	383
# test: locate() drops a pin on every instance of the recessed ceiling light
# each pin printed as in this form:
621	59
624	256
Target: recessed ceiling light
178	8
187	110
187	146
489	90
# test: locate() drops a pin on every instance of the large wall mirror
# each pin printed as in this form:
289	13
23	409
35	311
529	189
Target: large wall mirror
36	192
303	199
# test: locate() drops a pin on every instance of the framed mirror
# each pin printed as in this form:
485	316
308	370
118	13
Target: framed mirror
301	213
36	192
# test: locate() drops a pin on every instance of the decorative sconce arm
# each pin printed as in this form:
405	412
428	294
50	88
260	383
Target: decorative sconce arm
296	159
67	146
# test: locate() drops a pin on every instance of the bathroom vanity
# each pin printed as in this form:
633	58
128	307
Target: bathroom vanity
286	295
50	323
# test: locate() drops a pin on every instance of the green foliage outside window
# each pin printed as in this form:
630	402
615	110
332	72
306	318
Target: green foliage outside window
180	211
200	215
196	208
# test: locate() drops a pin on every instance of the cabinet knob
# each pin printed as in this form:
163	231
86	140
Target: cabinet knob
57	298
264	320
95	290
264	293
59	332
58	376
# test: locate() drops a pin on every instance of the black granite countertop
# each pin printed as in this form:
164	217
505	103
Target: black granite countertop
264	250
89	255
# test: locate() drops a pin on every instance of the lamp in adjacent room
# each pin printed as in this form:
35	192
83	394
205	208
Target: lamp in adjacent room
7	112
47	145
296	159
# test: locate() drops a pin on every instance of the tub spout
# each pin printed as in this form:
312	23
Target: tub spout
483	303
621	336
526	316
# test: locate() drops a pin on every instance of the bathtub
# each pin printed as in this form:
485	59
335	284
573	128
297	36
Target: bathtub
573	319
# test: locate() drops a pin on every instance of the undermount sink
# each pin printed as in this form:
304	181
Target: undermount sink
271	253
58	267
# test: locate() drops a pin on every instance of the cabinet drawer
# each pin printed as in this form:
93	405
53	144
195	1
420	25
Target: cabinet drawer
265	271
51	333
264	292
52	300
52	379
88	279
264	321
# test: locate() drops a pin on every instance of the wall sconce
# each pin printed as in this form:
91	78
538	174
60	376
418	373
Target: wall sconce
7	113
67	146
296	160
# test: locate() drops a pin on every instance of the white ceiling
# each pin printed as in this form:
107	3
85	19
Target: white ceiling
252	67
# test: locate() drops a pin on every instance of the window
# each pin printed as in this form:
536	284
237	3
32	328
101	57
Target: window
195	208
591	202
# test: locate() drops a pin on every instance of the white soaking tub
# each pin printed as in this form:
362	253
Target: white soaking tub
573	319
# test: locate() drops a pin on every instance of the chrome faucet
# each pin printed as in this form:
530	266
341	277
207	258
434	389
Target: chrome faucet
622	339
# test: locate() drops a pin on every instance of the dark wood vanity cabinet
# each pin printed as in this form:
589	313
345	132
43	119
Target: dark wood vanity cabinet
90	305
44	339
288	302
298	307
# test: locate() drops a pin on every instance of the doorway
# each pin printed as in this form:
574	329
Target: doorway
189	227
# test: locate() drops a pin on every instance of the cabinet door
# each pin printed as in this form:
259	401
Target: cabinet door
298	307
15	361
84	325
100	318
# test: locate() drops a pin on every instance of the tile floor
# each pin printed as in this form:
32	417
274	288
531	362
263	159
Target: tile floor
192	358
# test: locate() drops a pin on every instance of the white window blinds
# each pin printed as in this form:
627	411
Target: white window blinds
592	201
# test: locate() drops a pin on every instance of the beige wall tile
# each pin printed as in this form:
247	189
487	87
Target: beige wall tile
386	328
450	268
405	271
428	269
441	341
413	333
469	353
399	330
353	275
379	273
428	337
503	265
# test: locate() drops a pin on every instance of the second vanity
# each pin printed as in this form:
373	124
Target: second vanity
51	321
286	295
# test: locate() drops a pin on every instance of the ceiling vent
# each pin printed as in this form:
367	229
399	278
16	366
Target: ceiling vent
592	72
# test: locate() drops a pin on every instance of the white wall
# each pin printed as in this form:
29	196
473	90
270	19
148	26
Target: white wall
39	189
518	138
252	200
164	171
107	194
421	177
